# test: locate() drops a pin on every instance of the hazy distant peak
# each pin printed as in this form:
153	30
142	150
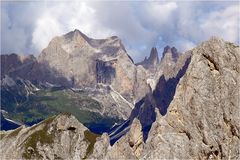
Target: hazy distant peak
170	50
152	60
154	54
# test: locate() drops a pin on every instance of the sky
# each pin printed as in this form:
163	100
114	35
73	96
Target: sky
28	26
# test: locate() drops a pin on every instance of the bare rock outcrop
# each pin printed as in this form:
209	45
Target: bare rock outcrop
152	61
202	121
167	66
87	62
202	118
57	137
101	147
129	146
159	97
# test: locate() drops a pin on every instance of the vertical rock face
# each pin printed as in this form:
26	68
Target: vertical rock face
105	71
16	65
154	56
203	117
130	146
167	83
100	147
91	61
172	51
152	61
136	137
27	67
169	61
160	97
167	66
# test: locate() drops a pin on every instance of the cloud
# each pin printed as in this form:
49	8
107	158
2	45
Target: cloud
202	20
17	21
157	14
223	23
29	26
46	29
7	43
56	20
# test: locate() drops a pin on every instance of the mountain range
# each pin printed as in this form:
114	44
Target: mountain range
102	105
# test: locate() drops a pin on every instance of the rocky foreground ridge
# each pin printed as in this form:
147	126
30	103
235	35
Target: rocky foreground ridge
202	119
201	122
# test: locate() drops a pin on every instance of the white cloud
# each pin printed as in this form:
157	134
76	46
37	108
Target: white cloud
184	45
224	23
14	40
100	20
56	21
198	21
158	13
47	27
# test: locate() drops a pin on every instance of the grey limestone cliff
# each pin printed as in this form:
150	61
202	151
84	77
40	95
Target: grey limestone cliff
201	122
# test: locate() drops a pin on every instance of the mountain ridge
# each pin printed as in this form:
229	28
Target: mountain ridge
207	75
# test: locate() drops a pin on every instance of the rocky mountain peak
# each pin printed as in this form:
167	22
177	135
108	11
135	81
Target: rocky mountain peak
170	51
102	61
210	80
76	35
154	56
167	49
152	61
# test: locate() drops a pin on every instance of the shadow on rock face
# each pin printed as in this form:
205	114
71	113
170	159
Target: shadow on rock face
160	98
29	68
165	89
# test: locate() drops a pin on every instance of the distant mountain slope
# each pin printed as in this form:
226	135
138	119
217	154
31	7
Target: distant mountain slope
86	62
100	68
23	102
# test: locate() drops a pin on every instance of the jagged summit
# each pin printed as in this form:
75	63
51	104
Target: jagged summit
76	33
154	56
170	55
86	62
172	51
152	61
79	37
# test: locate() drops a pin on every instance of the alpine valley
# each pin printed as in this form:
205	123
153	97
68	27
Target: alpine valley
85	98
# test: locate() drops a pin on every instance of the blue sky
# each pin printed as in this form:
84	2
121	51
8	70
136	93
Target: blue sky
27	27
